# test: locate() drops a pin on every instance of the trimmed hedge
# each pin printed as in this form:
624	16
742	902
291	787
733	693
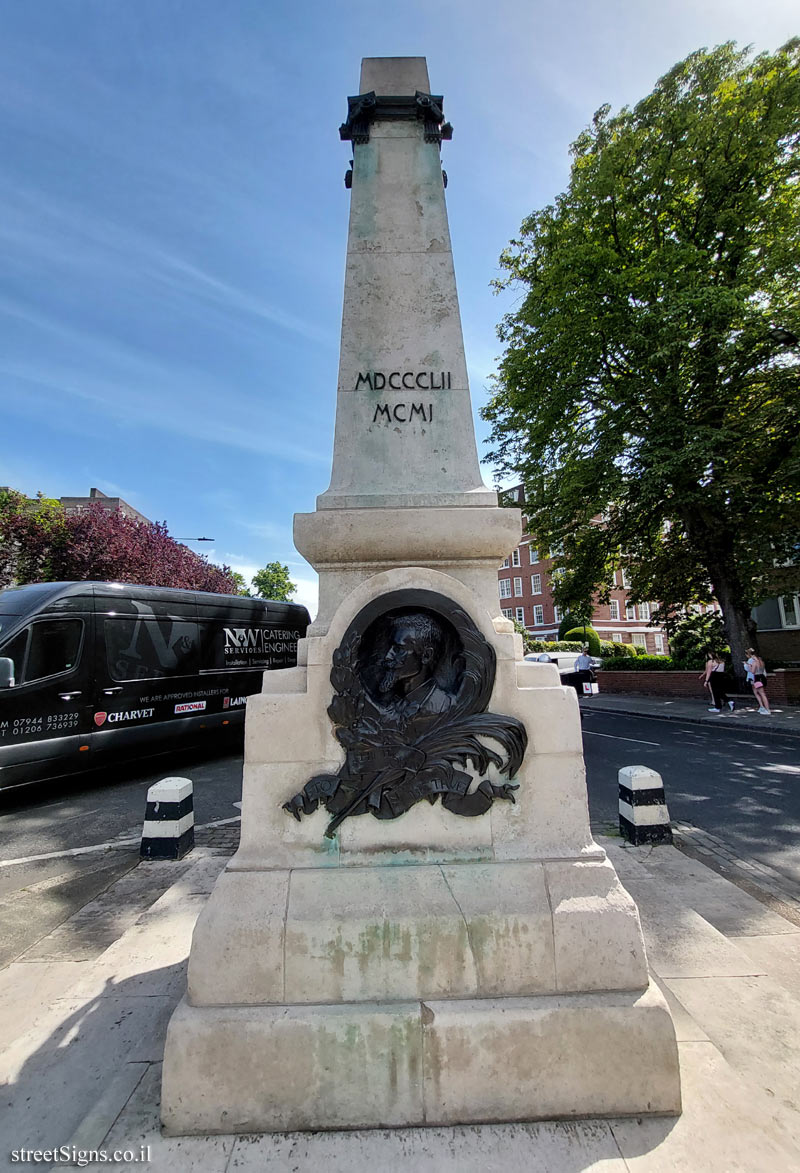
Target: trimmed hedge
636	663
586	635
559	645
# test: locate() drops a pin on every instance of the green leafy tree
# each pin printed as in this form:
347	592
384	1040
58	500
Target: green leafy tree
693	636
273	582
649	391
240	583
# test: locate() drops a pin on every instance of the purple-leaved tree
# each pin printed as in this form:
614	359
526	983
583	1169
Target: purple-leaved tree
40	542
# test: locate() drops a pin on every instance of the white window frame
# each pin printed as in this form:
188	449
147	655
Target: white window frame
630	611
517	587
782	608
616	637
520	616
613	608
538	615
626	582
515	558
508	612
536	584
644	611
640	639
504	564
659	642
505	588
533	555
556	614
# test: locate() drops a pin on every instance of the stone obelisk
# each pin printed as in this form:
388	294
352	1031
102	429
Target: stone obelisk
417	927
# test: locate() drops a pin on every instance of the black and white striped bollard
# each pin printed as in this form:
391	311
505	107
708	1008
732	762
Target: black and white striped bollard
643	814
168	831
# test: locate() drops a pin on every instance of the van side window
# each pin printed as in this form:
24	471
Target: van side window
54	648
148	649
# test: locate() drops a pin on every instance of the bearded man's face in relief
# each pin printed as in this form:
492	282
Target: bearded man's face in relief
408	660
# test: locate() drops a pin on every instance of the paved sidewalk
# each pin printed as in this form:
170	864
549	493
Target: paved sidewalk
745	716
83	1033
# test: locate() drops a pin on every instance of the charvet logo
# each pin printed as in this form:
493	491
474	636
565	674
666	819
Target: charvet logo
191	707
99	719
127	715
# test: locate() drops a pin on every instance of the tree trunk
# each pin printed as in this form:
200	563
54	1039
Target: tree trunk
739	627
718	549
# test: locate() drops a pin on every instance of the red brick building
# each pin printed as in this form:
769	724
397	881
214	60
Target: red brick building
524	585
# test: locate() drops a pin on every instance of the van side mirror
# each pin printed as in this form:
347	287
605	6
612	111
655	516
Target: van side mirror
6	672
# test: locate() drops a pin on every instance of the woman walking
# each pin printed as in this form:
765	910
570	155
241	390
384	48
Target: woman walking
714	677
757	675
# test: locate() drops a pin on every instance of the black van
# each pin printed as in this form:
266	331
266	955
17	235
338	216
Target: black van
91	667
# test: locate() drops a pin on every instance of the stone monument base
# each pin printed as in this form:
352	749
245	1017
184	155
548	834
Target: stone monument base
405	995
389	1065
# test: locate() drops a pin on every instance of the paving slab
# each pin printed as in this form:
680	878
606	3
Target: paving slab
725	906
536	1148
27	990
727	1125
680	943
56	1073
139	1125
778	956
755	1024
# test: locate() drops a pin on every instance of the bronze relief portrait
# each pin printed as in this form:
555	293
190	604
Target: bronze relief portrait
412	679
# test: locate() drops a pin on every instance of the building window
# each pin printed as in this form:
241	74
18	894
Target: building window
659	640
504	564
630	611
509	614
538	615
505	588
536	584
533	555
644	611
517	586
556	614
515	558
616	637
789	606
613	607
640	639
521	615
626	582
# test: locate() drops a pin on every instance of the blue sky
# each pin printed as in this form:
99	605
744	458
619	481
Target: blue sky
173	222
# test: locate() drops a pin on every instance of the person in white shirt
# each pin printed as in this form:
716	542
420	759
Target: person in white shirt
584	661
